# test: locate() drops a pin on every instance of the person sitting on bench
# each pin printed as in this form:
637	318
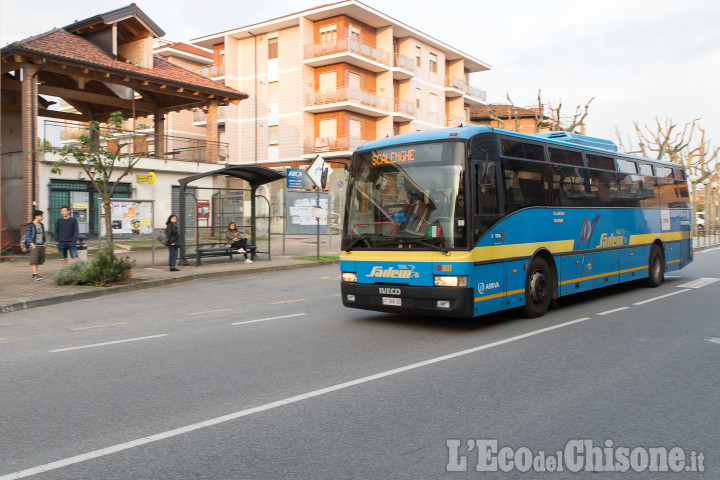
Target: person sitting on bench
237	239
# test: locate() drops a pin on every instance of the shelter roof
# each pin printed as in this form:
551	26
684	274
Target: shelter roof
255	175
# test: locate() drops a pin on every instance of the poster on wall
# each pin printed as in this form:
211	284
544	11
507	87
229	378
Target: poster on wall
303	212
129	218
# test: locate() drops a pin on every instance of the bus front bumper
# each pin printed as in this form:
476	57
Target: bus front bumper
440	301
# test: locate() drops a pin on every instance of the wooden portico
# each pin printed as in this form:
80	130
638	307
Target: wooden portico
99	65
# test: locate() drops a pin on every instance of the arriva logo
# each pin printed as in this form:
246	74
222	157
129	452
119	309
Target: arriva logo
390	272
610	240
487	286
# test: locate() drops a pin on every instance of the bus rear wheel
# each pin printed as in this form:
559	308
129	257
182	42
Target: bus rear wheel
538	288
656	267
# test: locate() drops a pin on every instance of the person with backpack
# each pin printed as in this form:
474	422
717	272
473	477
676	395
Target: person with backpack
35	238
173	241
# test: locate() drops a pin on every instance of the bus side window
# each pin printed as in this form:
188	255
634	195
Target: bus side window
487	195
527	184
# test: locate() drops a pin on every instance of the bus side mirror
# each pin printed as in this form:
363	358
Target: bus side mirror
486	174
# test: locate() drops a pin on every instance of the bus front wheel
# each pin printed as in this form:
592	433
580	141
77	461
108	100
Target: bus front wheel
538	288
656	267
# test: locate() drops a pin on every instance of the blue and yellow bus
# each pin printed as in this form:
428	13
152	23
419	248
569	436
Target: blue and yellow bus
472	220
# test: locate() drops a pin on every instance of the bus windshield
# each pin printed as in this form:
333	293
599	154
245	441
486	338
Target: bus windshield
409	196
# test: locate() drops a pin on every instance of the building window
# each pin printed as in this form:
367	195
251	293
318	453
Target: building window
272	48
433	62
418	93
273	136
328	33
433	106
417	56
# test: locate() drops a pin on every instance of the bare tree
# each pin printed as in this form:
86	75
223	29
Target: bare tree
547	117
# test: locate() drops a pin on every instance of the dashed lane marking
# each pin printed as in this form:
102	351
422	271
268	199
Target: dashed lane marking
209	311
699	283
661	296
288	301
266	319
108	343
97	326
608	312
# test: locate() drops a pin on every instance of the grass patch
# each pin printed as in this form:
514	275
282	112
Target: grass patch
321	258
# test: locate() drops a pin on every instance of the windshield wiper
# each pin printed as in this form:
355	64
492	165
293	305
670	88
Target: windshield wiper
420	241
356	242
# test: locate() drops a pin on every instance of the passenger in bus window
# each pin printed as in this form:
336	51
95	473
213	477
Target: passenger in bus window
459	222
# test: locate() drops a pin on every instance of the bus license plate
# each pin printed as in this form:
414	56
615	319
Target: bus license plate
396	302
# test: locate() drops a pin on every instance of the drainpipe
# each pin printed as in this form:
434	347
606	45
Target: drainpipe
33	128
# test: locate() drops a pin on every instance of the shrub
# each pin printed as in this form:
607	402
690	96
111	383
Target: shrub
107	268
75	273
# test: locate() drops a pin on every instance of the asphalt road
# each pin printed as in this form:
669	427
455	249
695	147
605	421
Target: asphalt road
269	377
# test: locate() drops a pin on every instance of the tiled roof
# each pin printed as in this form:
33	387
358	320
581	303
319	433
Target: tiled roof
502	111
62	45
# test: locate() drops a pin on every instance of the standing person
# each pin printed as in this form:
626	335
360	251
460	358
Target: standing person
66	235
237	239
173	235
35	237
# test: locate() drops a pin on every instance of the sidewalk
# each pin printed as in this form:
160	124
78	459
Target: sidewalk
18	291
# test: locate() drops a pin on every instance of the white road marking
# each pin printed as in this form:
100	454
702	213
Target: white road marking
661	296
699	283
269	406
108	343
608	312
271	318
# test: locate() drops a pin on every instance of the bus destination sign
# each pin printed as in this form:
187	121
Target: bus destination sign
387	157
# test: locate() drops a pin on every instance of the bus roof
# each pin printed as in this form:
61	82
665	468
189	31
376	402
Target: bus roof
566	139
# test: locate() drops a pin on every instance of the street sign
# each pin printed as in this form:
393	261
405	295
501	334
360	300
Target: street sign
149	178
294	178
315	171
341	184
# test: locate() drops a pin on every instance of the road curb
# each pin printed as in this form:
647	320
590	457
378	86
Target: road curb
144	284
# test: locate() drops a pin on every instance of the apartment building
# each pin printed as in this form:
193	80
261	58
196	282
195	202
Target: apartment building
327	79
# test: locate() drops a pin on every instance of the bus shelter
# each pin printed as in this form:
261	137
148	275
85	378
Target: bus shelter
194	210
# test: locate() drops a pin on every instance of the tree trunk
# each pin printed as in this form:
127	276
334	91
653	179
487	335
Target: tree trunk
108	223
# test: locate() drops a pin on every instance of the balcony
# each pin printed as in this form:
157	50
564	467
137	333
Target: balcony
346	98
454	121
211	71
187	149
403	67
457	87
199	116
346	50
332	144
404	111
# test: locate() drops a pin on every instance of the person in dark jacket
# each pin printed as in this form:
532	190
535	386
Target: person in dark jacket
35	238
66	235
173	243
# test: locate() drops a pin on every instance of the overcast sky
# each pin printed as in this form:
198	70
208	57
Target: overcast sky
640	59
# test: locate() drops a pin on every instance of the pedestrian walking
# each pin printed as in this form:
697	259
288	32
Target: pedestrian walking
173	243
35	238
66	235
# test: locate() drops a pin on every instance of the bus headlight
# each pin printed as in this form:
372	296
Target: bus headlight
349	277
450	281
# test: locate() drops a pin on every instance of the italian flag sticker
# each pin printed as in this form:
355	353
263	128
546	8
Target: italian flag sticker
435	231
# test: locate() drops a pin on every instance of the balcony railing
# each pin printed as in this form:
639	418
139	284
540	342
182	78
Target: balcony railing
211	71
331	144
406	63
403	106
460	84
346	44
347	94
454	121
59	134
